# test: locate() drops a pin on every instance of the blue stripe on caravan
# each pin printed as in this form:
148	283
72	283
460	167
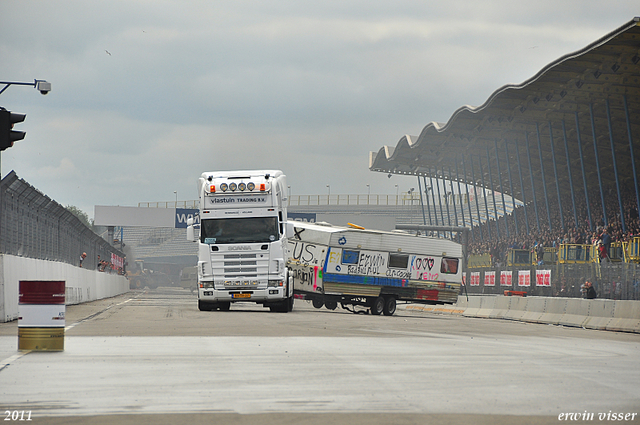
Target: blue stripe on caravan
364	280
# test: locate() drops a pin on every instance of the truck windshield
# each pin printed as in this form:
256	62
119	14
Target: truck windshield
239	230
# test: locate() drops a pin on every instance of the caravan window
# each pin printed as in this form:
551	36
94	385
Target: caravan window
350	257
398	261
449	266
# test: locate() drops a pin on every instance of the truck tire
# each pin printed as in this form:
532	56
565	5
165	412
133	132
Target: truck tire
283	306
389	306
225	306
377	306
290	306
331	305
317	303
204	306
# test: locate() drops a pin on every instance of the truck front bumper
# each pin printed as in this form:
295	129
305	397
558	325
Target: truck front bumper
238	295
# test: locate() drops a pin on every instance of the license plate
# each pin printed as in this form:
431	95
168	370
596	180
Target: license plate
241	295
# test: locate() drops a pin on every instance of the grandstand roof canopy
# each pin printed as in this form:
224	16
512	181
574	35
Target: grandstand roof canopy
539	127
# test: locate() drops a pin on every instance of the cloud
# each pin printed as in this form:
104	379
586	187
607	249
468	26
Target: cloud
309	88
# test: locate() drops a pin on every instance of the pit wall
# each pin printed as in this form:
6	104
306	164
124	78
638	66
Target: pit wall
81	285
610	315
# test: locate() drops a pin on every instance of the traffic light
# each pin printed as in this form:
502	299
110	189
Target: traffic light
7	134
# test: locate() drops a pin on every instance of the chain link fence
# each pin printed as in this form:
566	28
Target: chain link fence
33	225
616	281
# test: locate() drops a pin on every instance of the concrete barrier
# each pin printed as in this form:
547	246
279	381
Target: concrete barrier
591	314
534	309
500	307
554	309
600	314
517	308
487	305
626	317
473	305
82	285
576	312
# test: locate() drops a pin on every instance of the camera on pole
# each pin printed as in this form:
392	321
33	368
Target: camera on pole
7	134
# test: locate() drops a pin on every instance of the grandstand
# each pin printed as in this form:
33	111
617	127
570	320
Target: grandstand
564	142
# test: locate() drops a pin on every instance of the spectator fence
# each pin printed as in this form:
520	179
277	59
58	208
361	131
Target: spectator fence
34	226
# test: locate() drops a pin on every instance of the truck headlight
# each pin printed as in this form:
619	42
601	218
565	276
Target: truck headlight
275	283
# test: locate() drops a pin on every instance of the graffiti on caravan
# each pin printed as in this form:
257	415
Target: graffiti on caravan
183	214
303	252
368	263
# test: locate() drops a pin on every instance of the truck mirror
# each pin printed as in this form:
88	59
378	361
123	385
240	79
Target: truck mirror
190	233
290	229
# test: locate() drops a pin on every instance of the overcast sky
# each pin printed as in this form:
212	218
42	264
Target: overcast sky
147	94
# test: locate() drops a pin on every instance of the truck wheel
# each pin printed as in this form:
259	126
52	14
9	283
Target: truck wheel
283	306
377	306
389	306
226	306
331	305
317	303
290	304
204	306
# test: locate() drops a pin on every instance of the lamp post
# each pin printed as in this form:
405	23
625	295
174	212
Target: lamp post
42	86
329	195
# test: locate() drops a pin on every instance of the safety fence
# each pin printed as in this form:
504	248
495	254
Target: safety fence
618	252
32	225
616	281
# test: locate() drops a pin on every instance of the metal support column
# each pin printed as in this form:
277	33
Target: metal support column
522	191
446	200
433	196
615	167
566	152
464	170
426	196
475	195
633	158
584	174
555	174
533	187
595	148
424	217
440	200
484	192
513	196
453	199
460	195
544	180
493	193
504	205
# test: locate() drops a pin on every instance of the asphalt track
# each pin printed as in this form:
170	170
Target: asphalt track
152	357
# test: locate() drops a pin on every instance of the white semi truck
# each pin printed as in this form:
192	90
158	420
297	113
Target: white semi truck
242	252
349	266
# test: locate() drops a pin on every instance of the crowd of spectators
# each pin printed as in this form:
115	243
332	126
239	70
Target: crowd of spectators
492	237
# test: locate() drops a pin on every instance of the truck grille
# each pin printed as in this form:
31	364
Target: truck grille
238	256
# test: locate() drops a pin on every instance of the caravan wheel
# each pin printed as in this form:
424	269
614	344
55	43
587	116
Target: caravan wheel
331	305
389	306
377	306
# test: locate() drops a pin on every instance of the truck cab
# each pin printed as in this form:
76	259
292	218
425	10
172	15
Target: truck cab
242	241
